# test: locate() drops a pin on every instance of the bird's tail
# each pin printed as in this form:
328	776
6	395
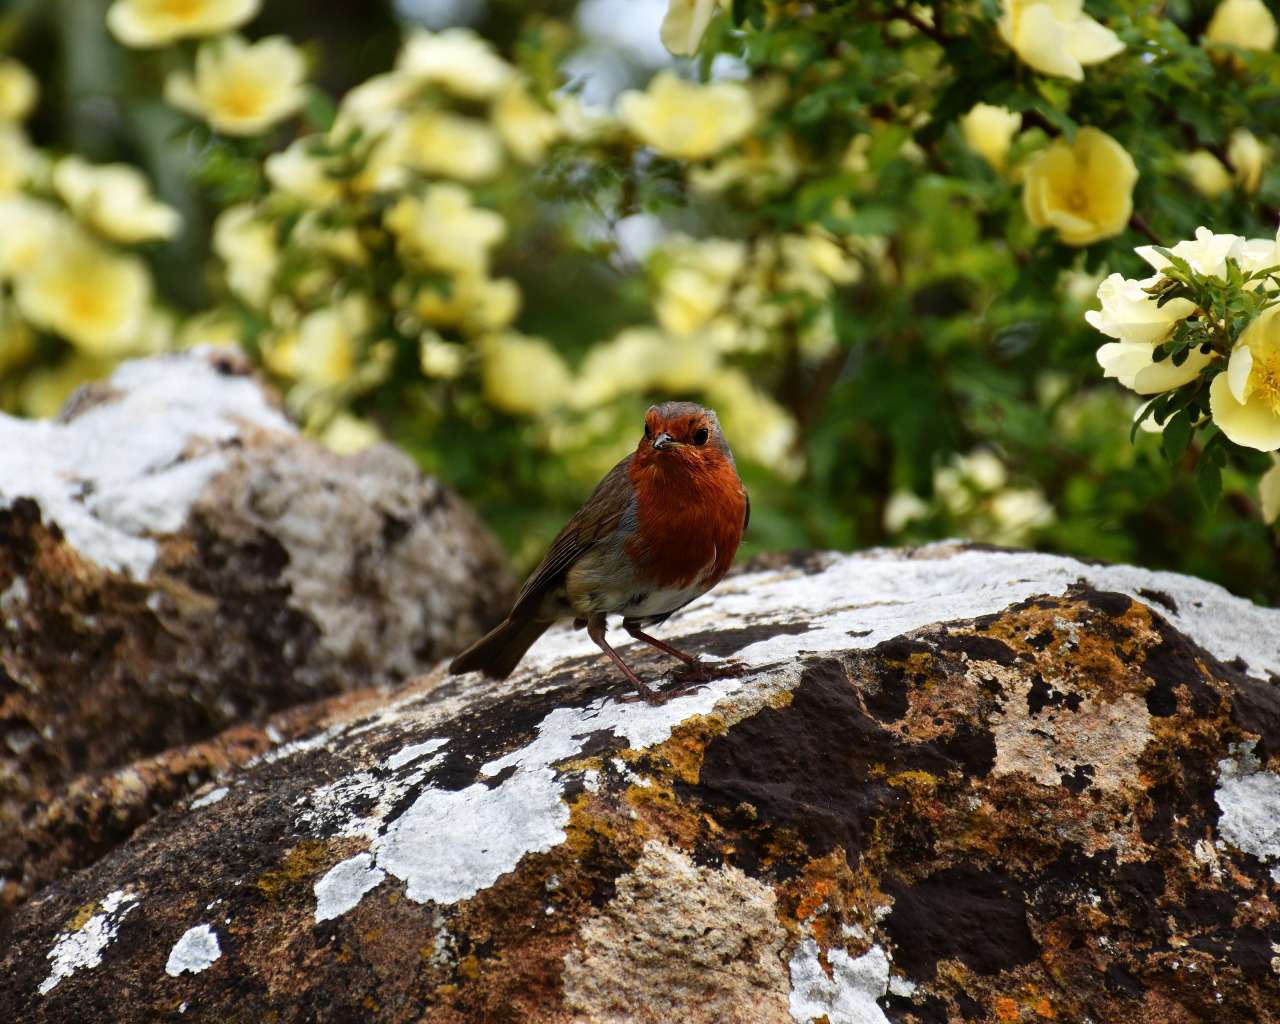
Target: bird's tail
499	652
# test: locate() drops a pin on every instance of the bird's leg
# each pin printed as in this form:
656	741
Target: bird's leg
699	670
595	630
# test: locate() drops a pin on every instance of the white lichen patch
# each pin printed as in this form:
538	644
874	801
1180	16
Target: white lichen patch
1250	803
683	943
212	797
131	467
1103	738
81	948
344	886
196	951
848	996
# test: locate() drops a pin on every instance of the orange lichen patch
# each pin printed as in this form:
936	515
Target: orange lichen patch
681	755
829	897
1007	1009
304	860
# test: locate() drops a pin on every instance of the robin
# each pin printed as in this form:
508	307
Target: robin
658	531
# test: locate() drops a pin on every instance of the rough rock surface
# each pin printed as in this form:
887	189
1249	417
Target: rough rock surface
175	560
951	785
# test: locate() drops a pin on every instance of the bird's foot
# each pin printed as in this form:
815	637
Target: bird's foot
704	672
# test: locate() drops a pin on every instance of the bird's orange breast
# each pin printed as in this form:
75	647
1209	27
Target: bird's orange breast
688	521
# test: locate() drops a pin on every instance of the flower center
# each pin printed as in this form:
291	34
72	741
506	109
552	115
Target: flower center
1077	200
86	305
241	99
1264	381
182	10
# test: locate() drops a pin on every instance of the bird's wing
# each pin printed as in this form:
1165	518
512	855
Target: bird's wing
597	519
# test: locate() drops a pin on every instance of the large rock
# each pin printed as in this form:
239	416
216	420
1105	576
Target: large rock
175	559
950	785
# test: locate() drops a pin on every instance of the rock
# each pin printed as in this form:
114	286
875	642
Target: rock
174	560
951	785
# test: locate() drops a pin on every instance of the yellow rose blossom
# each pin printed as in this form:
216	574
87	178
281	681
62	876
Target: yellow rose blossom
1205	172
346	434
217	327
989	132
1245	400
439	358
812	262
340	241
247	245
19	90
687	120
374	104
145	23
1247	157
1139	323
1269	491
97	299
762	430
1248	24
445	231
474	305
524	376
584	124
1084	189
17	158
527	128
639	360
1056	37
761	170
450	146
28	227
321	350
685	24
298	171
241	88
456	59
114	199
696	284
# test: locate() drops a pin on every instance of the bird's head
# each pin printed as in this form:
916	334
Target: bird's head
682	434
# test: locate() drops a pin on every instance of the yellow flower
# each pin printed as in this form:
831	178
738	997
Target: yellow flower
1269	491
28	227
1138	323
989	132
97	299
114	199
1205	172
340	241
1245	400
248	247
19	90
450	146
440	358
474	305
762	169
456	59
1247	157
346	434
1056	37
304	175
241	88
445	231
1247	24
1083	189
143	23
221	328
374	103
685	24
526	126
697	281
813	262
639	360
321	350
17	158
524	376
687	120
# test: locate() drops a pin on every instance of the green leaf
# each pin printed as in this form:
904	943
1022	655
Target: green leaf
1209	472
1177	435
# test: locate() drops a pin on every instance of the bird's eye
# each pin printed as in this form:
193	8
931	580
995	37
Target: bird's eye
648	435
700	438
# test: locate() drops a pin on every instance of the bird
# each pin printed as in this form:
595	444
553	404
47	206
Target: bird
660	530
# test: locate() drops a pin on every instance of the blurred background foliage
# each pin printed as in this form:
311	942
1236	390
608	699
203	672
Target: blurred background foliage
498	257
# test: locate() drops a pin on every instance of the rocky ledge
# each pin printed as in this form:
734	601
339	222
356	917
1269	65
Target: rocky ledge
950	785
174	561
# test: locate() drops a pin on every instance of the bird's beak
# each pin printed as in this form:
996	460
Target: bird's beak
665	440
